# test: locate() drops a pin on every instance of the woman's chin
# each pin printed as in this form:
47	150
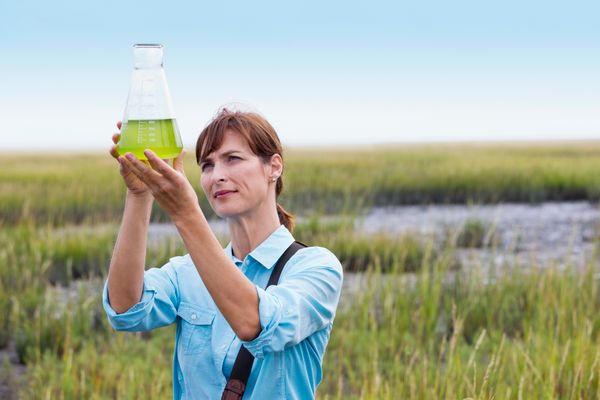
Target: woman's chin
225	212
230	209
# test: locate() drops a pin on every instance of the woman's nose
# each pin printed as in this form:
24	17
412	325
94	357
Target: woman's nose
219	173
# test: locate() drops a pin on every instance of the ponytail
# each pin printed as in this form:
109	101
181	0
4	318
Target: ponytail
285	218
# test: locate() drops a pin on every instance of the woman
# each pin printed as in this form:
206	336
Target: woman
217	297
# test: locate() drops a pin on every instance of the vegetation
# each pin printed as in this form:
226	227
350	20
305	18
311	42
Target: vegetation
78	187
418	326
434	334
532	334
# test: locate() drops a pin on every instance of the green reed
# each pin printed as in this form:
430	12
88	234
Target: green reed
520	332
531	334
86	187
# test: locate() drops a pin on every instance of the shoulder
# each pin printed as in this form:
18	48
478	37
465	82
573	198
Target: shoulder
176	267
315	257
184	261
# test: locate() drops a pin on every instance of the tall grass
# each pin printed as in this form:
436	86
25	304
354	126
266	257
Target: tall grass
61	188
532	334
518	333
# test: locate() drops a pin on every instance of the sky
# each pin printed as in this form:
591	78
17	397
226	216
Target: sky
322	72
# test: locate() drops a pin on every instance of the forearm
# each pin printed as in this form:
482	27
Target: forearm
126	271
233	293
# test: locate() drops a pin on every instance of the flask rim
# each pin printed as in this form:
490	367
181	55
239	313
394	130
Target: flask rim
148	45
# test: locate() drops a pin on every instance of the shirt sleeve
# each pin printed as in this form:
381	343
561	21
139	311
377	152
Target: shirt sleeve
157	306
300	305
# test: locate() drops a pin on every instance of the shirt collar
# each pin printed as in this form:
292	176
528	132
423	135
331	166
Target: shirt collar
270	250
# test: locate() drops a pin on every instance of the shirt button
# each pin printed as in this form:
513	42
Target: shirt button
194	316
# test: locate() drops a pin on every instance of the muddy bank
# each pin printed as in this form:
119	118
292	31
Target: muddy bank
547	233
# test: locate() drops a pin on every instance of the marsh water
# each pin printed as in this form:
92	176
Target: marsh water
543	234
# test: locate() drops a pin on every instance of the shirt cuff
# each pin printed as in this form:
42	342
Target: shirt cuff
134	315
269	310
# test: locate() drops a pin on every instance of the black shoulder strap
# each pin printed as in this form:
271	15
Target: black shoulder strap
285	257
244	360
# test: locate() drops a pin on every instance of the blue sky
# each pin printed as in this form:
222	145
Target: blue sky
323	73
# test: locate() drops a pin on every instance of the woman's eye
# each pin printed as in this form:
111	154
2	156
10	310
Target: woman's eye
234	158
203	167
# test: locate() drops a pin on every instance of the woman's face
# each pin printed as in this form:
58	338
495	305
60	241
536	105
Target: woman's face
235	180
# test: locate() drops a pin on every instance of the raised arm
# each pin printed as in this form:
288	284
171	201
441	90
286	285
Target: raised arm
126	271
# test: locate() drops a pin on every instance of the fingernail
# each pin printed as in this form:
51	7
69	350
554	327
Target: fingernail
147	152
129	156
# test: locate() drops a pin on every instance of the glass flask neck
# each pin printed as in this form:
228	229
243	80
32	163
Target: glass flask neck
147	56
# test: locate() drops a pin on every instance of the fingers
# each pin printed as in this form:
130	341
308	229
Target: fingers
158	164
115	138
122	163
178	162
113	151
141	170
126	165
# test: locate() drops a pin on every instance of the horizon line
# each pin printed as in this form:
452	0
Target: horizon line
340	146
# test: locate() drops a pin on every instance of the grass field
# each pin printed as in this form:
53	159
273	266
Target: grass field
422	327
86	187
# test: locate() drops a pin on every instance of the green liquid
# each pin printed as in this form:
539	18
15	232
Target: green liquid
159	135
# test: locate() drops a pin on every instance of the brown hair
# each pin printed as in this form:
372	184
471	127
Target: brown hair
261	138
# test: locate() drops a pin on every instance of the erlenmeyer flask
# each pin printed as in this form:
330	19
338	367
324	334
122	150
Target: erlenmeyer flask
149	122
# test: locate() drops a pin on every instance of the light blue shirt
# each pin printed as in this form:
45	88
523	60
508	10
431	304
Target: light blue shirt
296	318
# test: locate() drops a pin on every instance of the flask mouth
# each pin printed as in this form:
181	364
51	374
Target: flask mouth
147	56
148	45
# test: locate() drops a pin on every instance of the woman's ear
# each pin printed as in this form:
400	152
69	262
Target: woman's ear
276	166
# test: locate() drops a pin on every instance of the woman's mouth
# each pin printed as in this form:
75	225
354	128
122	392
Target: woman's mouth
223	193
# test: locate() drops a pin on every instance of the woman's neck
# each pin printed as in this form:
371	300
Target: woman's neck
248	231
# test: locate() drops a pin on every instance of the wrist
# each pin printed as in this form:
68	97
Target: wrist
139	199
188	216
138	208
145	196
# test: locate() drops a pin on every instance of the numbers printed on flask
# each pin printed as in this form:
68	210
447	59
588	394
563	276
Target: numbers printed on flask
151	132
